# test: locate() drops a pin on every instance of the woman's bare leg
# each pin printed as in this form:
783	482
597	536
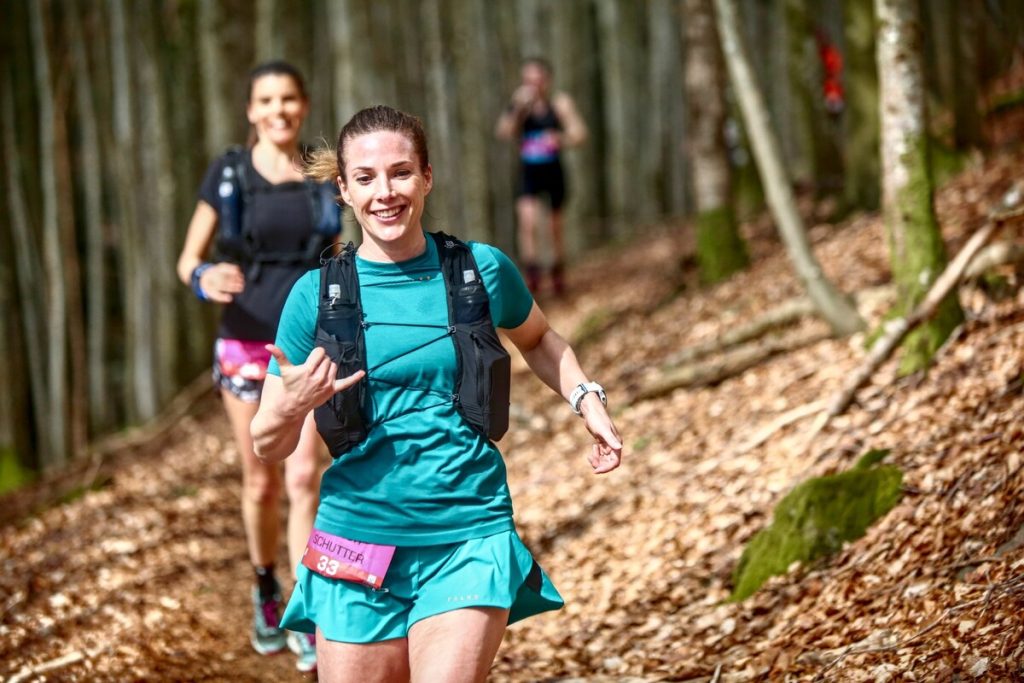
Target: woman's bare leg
383	662
302	472
261	486
457	646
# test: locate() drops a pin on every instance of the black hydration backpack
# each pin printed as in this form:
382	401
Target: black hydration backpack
483	369
234	237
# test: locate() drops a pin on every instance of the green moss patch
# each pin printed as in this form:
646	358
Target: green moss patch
720	249
12	474
816	518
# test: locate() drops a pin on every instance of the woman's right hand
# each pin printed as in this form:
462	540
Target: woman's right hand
311	383
222	281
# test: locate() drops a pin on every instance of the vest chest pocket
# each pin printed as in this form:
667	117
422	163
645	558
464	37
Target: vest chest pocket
472	305
489	380
344	426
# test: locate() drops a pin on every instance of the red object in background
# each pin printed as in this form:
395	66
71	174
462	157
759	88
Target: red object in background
832	70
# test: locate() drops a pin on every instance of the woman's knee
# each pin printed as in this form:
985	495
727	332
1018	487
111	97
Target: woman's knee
262	484
302	476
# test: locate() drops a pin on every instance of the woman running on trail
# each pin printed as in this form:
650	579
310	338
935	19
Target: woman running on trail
414	568
543	124
262	214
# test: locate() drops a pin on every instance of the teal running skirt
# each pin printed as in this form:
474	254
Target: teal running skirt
493	571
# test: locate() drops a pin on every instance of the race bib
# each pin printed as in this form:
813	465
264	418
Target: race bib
336	557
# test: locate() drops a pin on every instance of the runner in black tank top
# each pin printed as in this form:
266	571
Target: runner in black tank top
543	125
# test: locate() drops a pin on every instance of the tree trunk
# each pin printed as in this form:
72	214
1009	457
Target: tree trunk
91	172
917	253
720	249
269	34
343	46
575	65
158	280
141	403
27	270
833	306
501	50
446	198
476	115
966	117
56	293
213	67
861	125
627	199
670	120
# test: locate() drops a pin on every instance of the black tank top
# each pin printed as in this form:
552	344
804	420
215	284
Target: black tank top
537	145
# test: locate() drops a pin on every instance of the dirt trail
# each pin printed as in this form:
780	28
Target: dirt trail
145	579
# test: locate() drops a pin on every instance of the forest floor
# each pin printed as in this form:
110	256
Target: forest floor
146	578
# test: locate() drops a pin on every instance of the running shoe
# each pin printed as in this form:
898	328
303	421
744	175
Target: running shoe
267	635
304	646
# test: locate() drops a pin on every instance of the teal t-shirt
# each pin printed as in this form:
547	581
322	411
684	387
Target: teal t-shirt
422	476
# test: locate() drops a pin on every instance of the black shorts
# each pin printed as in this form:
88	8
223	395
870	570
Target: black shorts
538	179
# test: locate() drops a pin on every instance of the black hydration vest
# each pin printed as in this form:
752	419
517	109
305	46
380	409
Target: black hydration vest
483	367
234	236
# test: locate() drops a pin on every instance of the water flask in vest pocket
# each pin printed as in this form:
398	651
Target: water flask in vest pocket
472	304
339	320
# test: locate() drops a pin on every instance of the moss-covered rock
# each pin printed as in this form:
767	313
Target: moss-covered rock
816	518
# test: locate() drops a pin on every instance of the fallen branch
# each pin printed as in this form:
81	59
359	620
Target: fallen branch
1011	586
784	314
27	671
728	365
896	330
998	254
780	422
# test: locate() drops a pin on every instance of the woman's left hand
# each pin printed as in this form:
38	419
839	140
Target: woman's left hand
606	453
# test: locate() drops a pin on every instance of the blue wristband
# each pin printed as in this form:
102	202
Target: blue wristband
197	273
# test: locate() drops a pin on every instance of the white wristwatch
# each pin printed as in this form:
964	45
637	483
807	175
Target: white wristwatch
581	390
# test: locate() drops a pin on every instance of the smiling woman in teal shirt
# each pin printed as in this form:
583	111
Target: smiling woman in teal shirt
423	488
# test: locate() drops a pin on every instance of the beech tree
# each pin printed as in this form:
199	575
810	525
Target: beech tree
835	308
916	251
720	249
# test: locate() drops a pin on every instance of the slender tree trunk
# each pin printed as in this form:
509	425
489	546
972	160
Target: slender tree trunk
447	195
216	98
720	249
476	115
617	30
56	306
157	204
669	113
342	48
500	54
966	117
834	307
916	249
861	124
91	174
269	34
27	270
77	415
141	395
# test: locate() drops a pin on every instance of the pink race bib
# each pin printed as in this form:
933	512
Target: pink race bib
340	558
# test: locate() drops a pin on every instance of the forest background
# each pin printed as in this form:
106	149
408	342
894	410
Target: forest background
112	109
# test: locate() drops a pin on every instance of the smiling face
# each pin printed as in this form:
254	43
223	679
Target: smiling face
387	187
277	109
536	77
